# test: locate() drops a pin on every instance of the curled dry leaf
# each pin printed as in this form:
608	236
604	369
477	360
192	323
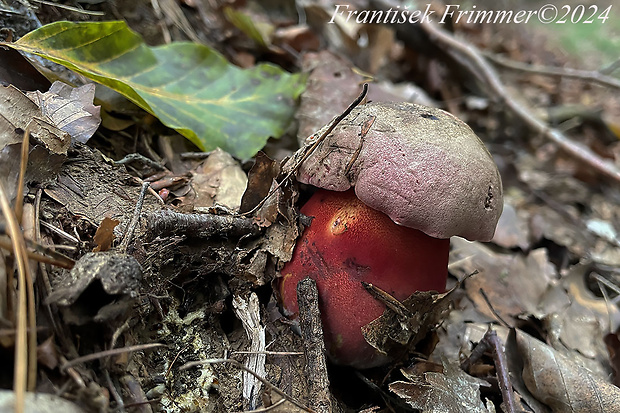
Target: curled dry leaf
70	109
17	112
562	384
514	284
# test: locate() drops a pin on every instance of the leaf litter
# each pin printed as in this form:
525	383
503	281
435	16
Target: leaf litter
551	270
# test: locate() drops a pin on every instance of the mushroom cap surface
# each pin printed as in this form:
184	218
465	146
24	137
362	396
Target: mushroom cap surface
421	166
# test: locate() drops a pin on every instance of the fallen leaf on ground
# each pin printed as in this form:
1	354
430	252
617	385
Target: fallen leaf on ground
451	391
70	109
560	383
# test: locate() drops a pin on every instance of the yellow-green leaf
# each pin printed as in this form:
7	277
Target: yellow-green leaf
188	86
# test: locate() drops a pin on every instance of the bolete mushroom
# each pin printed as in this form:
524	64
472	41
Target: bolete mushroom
420	176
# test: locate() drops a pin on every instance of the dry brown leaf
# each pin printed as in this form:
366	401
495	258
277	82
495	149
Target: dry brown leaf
512	229
451	391
513	283
562	384
330	89
47	354
105	234
261	180
17	112
219	180
70	109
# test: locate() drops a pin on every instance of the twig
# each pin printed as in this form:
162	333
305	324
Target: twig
265	382
141	158
491	341
134	219
57	258
485	72
485	297
271	353
19	196
307	151
71	8
120	404
61	233
108	353
135	394
314	345
20	373
593	76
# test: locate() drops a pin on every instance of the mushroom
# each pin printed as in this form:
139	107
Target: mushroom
419	176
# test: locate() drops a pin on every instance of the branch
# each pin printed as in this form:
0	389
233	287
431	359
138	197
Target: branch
485	72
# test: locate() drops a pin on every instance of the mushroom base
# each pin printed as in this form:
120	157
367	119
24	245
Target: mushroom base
347	243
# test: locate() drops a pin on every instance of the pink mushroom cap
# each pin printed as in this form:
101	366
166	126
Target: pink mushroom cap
421	166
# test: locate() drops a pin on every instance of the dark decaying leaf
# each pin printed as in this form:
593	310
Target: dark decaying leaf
451	391
260	180
188	86
392	332
106	273
16	70
261	183
94	189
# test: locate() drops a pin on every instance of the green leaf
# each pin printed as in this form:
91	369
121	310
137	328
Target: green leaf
188	86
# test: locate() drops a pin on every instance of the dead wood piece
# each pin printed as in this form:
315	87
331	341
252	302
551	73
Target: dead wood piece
167	223
248	311
314	346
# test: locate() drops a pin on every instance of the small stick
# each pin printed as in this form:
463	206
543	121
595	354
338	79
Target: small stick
108	353
19	196
487	74
265	382
389	301
491	341
314	346
169	223
134	219
593	76
140	158
311	149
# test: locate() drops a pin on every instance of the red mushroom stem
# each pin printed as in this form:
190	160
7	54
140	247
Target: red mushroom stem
349	243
